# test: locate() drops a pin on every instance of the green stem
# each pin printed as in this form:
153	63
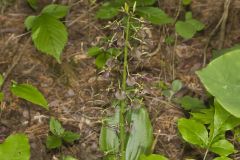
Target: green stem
124	86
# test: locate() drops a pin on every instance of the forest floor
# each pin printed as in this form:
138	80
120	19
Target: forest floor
80	96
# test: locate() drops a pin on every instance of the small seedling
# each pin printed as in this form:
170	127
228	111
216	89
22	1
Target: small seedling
175	87
59	135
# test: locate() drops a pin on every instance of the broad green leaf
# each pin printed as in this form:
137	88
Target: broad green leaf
217	53
184	29
33	3
190	103
193	132
107	11
176	85
49	35
196	24
222	158
153	157
1	80
141	134
186	2
221	79
154	15
205	116
56	10
29	93
222	148
29	22
68	158
15	147
109	141
70	137
94	51
56	127
222	122
188	16
102	59
53	142
142	2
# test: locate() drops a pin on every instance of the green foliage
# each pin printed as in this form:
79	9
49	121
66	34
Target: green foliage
153	157
33	3
59	135
186	2
141	135
15	147
221	79
175	87
48	33
190	103
222	158
68	158
188	28
1	93
196	132
29	93
102	56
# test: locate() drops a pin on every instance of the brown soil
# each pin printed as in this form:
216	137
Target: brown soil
80	96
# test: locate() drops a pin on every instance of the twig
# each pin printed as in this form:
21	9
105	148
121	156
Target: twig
16	60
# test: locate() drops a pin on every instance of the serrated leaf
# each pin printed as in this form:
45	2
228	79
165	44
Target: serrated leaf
184	29
154	15
141	134
53	142
193	132
176	86
49	35
29	93
153	157
29	22
56	127
15	147
190	103
56	10
94	51
70	137
107	11
33	3
101	59
109	141
221	79
222	148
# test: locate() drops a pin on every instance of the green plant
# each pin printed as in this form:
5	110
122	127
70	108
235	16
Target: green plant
153	157
170	92
49	34
59	134
68	158
15	147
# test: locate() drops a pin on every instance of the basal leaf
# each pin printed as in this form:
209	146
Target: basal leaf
193	132
56	127
15	147
222	158
154	15
222	148
196	24
176	86
190	103
205	116
153	157
56	10
53	142
94	51
107	11
109	141
184	29
70	137
29	22
49	35
29	93
101	59
221	79
141	135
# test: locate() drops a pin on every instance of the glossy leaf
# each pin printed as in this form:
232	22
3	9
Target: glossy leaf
49	35
70	137
56	10
53	142
141	135
154	15
15	147
222	148
190	103
193	132
56	127
29	93
153	157
109	141
221	79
